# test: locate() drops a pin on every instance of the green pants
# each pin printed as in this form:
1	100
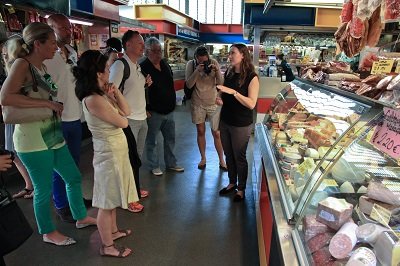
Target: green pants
40	166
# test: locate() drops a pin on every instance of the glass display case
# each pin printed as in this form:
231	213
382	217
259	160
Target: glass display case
351	213
306	128
335	158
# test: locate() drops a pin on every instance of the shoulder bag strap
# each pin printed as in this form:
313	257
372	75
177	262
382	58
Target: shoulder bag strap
34	81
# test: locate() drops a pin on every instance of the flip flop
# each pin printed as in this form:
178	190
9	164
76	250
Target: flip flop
121	251
127	232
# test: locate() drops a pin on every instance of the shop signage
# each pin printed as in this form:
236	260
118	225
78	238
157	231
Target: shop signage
387	134
114	28
185	32
382	66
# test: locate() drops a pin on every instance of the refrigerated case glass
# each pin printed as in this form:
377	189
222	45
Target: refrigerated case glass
306	128
358	195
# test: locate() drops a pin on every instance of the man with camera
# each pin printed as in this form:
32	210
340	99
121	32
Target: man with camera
202	75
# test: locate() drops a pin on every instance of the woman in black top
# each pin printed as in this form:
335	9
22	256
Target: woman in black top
239	97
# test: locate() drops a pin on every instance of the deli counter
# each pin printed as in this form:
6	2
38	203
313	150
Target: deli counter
329	167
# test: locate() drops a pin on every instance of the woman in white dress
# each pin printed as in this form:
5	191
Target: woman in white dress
105	112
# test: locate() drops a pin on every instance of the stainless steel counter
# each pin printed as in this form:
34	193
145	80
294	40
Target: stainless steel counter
282	241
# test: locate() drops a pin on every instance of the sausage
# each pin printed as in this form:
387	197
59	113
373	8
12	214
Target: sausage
344	241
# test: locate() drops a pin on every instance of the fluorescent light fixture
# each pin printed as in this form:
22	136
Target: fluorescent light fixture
77	21
325	2
8	4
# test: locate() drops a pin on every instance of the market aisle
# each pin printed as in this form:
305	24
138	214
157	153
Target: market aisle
185	222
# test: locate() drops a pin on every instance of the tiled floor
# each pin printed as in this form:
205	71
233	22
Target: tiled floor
184	222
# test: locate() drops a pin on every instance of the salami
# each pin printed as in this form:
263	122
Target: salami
392	10
344	241
347	12
322	257
312	227
357	26
319	241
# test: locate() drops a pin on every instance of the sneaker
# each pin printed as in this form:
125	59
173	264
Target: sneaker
157	171
176	168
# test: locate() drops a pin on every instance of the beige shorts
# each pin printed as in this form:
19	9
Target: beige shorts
201	114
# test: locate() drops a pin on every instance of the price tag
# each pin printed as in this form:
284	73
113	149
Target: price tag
307	164
380	214
330	182
387	134
398	67
382	66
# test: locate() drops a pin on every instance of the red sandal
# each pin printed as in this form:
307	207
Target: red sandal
135	207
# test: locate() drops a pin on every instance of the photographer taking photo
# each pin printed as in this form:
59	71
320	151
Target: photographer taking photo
202	75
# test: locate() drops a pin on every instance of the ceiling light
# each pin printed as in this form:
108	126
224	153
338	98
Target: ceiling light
77	21
326	2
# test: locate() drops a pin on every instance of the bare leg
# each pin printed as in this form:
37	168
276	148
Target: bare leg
201	141
218	146
105	224
21	168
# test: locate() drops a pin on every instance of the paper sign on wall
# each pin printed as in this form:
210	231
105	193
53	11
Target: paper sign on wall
387	134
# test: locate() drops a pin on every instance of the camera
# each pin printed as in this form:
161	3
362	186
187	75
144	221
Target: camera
207	68
6	152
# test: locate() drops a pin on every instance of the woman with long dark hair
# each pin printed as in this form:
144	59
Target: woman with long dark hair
239	97
40	144
105	110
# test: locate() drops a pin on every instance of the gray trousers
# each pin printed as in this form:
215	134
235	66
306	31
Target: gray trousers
139	130
234	141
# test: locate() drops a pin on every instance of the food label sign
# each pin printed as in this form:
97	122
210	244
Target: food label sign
382	66
387	134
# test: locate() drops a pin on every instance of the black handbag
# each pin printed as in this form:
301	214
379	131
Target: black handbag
14	228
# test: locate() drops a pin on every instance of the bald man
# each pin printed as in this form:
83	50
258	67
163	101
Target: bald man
60	70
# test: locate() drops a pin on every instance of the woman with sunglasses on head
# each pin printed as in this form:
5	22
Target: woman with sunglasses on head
239	97
105	110
40	144
27	191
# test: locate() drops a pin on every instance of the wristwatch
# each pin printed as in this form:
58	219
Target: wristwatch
235	93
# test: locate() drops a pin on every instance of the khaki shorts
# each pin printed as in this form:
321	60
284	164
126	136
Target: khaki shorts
201	114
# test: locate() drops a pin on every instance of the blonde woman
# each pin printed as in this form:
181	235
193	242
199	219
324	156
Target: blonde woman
26	192
40	144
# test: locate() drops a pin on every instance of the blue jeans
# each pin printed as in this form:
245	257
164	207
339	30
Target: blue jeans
72	132
166	125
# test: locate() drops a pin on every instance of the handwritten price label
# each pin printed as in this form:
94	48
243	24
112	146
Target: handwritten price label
382	66
398	67
387	134
380	214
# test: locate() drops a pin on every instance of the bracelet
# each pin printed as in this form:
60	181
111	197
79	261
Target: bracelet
235	93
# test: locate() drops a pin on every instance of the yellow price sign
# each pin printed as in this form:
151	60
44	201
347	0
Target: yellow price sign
382	66
380	214
330	182
397	67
